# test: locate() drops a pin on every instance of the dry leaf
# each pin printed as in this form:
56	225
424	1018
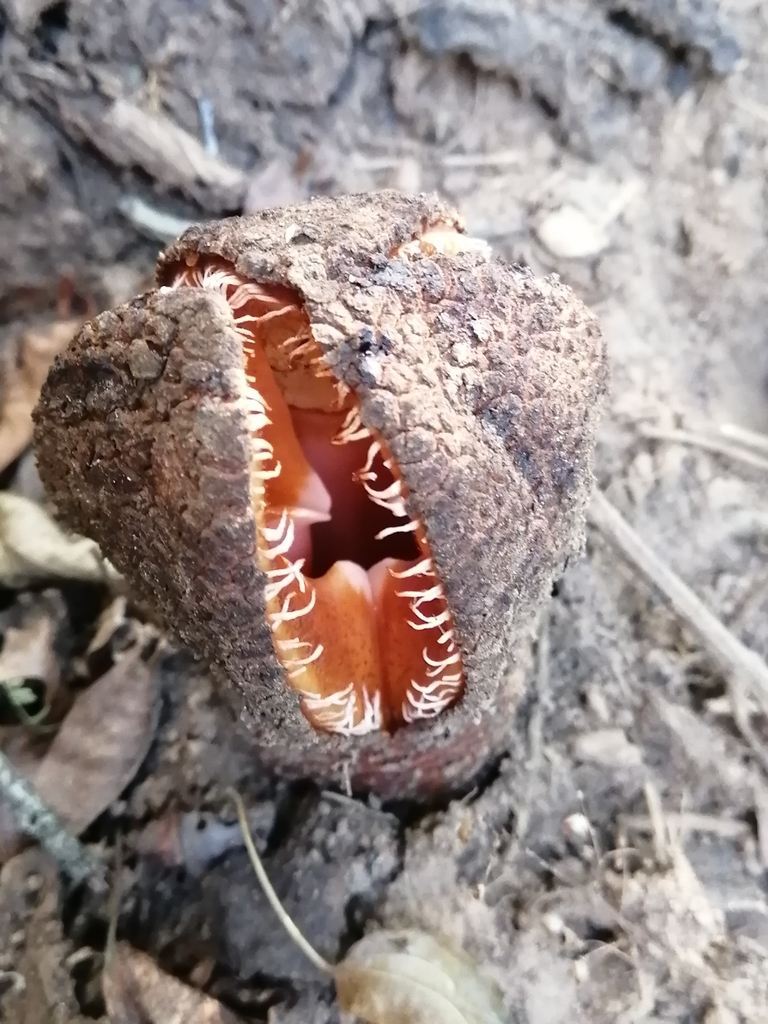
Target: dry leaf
30	904
407	977
101	743
113	626
136	991
33	548
23	379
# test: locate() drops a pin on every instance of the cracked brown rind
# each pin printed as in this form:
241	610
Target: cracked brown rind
487	384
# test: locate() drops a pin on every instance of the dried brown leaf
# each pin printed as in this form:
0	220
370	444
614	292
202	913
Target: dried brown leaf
407	977
113	618
136	991
30	904
101	743
23	375
33	548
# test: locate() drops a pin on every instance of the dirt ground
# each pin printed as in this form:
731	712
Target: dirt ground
613	868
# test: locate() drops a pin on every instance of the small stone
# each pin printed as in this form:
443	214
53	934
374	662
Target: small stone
143	363
33	883
577	826
581	970
462	354
568	233
597	704
553	923
481	329
609	747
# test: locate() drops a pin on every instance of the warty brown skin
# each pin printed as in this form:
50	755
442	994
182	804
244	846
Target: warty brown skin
487	384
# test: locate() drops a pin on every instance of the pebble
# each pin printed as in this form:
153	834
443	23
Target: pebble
569	234
609	747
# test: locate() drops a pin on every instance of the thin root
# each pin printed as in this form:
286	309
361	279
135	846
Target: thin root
309	951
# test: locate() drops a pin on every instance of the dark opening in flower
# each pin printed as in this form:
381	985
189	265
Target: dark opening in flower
359	618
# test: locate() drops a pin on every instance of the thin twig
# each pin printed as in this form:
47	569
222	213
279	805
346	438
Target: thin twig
37	820
659	827
157	224
309	951
741	435
685	822
113	906
751	107
737	662
208	125
499	158
710	444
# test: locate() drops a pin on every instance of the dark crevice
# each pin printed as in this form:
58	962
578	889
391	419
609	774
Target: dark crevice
717	59
640	29
549	110
594	932
703	690
411	812
52	24
296	804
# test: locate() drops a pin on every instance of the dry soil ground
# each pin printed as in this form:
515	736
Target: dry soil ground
613	869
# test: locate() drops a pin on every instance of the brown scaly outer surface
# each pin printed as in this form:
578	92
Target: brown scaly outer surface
487	384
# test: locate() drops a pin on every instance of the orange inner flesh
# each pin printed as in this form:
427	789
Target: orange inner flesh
359	618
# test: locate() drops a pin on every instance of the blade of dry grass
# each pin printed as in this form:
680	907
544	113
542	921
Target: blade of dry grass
750	438
737	662
706	443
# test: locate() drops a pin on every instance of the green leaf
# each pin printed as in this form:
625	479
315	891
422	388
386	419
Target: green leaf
20	695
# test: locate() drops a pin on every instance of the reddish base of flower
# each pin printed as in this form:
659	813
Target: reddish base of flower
421	762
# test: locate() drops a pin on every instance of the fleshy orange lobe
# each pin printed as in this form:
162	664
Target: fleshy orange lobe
359	617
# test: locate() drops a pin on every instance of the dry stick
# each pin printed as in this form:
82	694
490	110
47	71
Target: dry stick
710	444
741	435
659	827
687	821
740	665
159	225
41	823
